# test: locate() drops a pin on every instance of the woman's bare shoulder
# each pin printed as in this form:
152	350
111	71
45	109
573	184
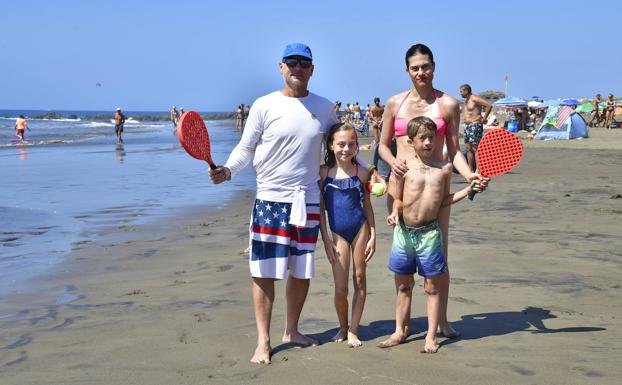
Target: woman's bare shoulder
397	98
447	100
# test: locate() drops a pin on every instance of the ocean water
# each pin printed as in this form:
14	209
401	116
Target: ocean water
71	179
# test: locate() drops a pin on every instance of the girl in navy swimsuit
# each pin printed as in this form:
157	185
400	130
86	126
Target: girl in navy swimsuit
351	221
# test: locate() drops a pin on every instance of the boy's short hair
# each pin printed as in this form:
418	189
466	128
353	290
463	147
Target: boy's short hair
420	122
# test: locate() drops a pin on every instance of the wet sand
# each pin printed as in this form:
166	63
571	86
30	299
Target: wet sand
535	266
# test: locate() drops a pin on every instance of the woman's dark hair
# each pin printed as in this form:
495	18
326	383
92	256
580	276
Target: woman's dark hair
329	158
419	49
22	117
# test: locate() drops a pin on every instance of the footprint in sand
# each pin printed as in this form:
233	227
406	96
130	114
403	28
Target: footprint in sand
226	361
202	317
184	338
136	292
464	300
222	268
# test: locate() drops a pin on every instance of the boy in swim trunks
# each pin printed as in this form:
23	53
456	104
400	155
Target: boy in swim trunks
417	239
20	127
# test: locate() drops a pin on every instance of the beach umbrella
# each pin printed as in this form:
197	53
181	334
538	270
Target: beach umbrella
550	102
533	103
585	107
510	102
569	102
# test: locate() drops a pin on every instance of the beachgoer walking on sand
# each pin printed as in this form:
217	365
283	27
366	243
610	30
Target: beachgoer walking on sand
595	115
610	108
20	127
174	118
375	119
356	113
283	136
351	220
337	107
472	116
417	240
119	121
423	100
239	117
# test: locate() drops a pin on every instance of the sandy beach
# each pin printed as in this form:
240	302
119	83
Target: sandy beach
535	268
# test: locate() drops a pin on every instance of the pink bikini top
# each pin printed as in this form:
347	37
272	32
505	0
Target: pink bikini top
401	125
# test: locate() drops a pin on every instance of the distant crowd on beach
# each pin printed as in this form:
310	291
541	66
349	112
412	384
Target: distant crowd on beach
603	115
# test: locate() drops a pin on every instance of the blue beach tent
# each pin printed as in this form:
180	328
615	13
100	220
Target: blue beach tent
573	128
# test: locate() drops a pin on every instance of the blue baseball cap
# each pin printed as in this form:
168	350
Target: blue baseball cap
297	49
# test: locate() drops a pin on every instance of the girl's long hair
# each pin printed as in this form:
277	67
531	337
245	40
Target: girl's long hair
329	158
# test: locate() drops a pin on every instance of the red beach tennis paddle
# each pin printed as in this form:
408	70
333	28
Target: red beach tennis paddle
497	153
193	136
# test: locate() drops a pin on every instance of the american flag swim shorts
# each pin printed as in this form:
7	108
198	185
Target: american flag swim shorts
276	246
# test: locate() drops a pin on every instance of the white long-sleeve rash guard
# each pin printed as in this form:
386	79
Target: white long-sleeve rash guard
283	135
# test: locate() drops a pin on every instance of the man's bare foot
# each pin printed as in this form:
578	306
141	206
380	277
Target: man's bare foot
340	336
299	339
448	332
431	346
262	354
393	340
353	340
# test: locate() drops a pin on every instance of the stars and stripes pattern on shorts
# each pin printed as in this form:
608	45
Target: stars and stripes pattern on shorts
277	246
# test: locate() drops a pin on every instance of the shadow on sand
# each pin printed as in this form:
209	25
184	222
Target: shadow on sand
472	327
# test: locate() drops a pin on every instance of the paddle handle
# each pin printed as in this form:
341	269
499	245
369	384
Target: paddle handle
472	194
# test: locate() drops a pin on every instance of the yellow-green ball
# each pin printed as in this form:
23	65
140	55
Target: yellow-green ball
377	189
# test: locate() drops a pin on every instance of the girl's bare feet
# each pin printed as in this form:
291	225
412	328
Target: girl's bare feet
431	346
299	339
262	354
340	336
448	332
353	340
393	340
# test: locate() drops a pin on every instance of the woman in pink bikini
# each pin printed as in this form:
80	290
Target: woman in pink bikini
423	100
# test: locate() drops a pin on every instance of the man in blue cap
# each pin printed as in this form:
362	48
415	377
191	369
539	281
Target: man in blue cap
283	136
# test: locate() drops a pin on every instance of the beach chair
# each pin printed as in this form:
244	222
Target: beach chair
363	128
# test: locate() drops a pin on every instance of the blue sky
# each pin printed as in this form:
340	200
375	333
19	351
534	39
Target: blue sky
213	55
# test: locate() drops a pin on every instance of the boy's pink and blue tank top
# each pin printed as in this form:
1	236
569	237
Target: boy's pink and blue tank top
343	200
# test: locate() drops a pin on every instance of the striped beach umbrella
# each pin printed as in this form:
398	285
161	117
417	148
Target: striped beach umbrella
510	102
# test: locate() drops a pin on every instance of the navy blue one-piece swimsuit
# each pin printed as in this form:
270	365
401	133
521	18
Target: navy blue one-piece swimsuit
343	200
